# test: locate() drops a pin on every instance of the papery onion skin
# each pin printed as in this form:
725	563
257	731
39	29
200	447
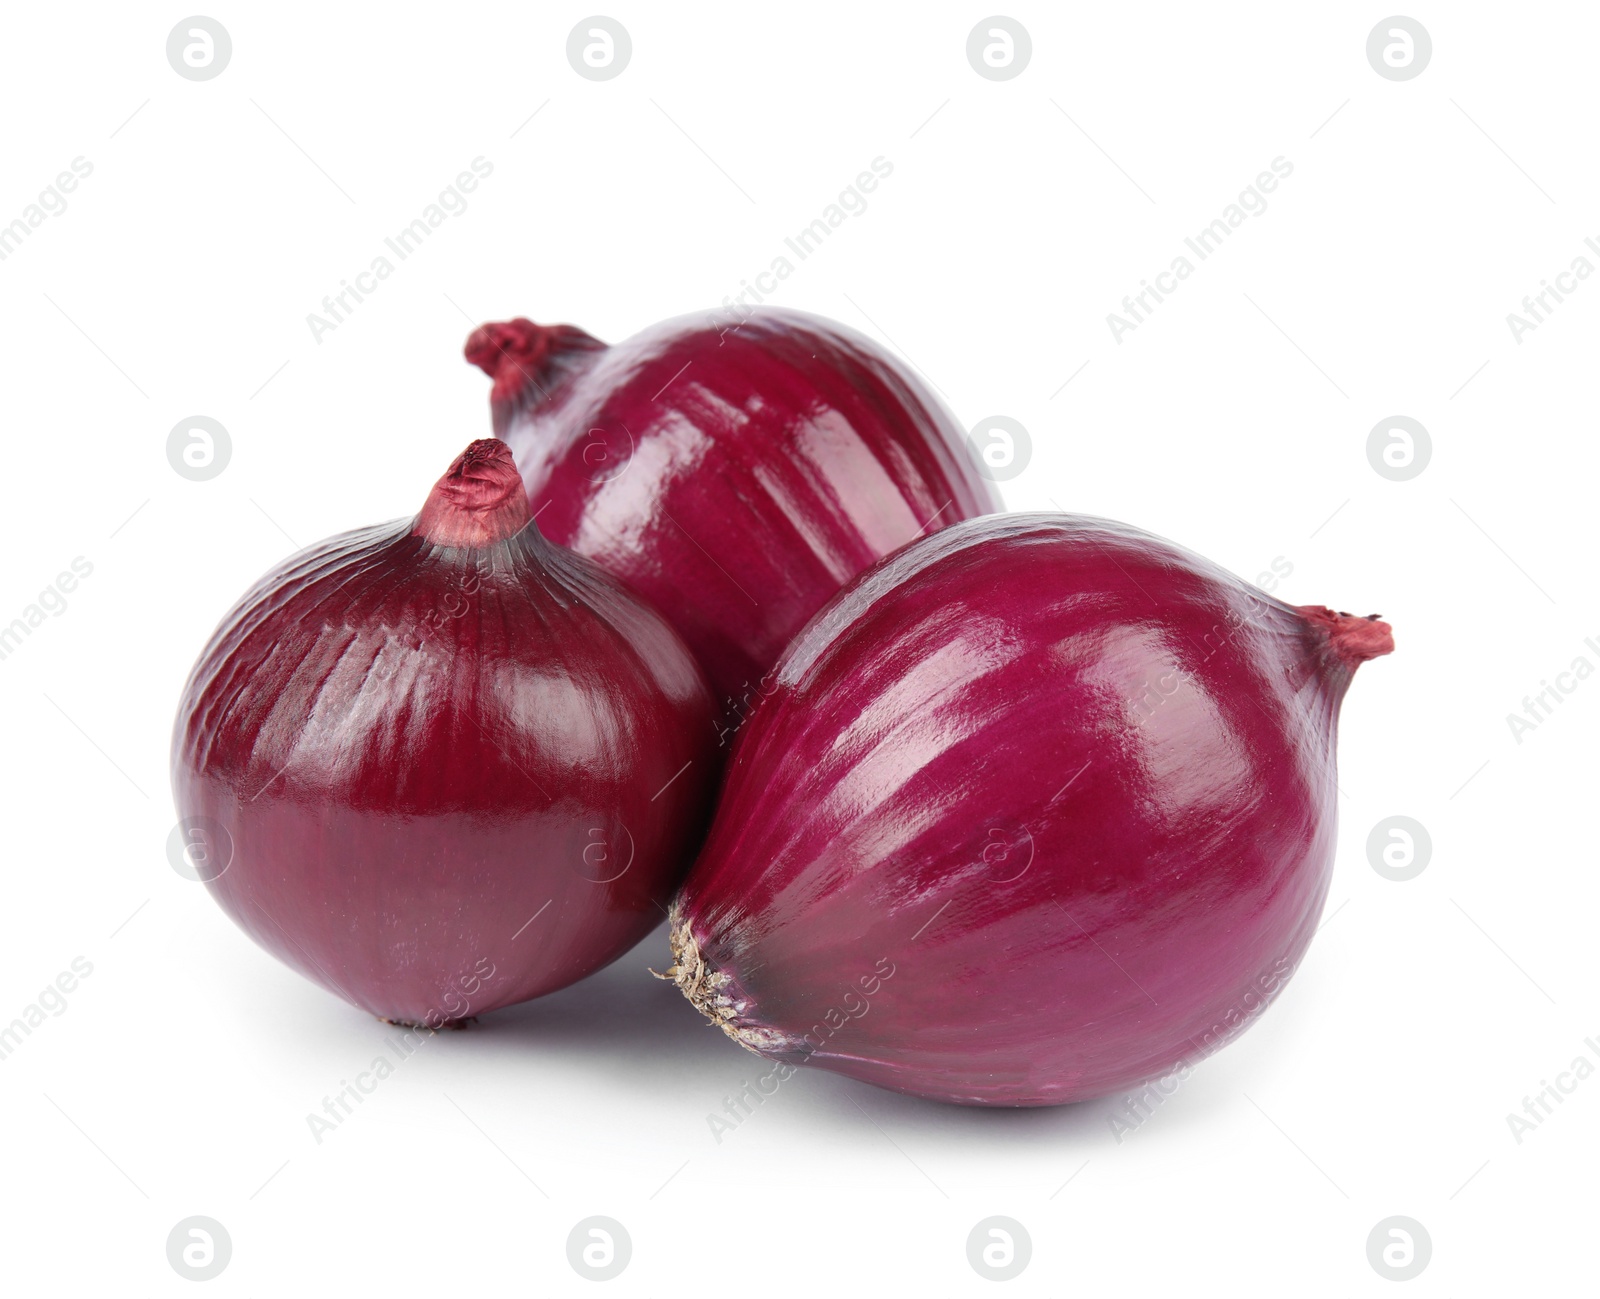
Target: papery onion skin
1039	808
735	475
458	767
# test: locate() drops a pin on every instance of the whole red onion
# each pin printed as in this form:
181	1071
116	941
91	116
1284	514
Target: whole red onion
736	476
1038	808
441	764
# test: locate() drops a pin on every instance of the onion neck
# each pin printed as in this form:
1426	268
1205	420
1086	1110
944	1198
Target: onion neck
479	501
1346	641
528	362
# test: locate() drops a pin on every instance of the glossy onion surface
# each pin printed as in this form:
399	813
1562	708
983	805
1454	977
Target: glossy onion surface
441	778
1039	808
737	476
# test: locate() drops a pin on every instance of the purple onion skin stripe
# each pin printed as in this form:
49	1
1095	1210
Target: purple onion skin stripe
1039	808
736	476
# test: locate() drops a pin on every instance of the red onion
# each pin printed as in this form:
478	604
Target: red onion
1039	808
441	764
735	476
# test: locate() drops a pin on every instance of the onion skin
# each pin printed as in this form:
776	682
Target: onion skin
1040	808
421	735
737	477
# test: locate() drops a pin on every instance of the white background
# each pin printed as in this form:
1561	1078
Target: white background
178	281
